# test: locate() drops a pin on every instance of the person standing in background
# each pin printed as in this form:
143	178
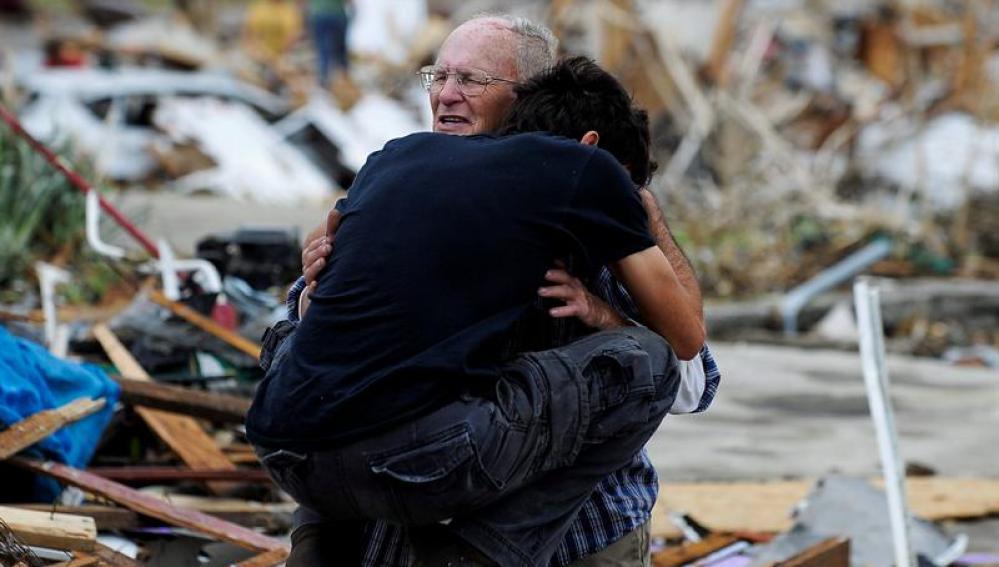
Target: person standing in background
328	24
271	28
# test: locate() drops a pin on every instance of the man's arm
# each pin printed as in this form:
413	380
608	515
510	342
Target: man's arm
674	255
664	303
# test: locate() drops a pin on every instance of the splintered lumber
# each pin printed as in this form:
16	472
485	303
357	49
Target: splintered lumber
81	560
833	552
270	517
107	557
690	552
766	506
267	559
178	399
181	433
152	506
106	517
273	517
156	475
34	428
57	531
721	44
206	324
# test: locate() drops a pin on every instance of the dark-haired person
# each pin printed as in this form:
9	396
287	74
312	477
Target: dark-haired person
413	414
493	53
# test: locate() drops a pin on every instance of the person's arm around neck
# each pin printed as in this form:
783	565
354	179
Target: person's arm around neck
674	255
664	303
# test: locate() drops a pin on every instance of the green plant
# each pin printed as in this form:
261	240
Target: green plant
42	218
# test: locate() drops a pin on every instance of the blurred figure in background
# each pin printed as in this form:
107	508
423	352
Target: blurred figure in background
271	28
328	24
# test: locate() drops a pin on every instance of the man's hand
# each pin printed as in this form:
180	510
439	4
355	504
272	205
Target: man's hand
318	247
579	302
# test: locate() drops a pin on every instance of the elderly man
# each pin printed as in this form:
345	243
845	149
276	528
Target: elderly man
612	528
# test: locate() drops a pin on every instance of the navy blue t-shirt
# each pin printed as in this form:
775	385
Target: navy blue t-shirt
443	244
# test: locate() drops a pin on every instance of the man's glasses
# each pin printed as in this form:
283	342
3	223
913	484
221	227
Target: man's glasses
471	82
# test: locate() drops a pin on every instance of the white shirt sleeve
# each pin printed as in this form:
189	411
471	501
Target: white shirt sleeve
692	384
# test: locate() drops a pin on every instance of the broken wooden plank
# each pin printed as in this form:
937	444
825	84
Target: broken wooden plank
82	560
33	317
108	557
206	324
178	399
267	559
57	531
690	552
766	506
106	517
272	518
34	428
833	552
716	68
152	506
156	475
181	433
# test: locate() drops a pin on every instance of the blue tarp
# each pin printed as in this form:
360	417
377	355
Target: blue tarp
32	380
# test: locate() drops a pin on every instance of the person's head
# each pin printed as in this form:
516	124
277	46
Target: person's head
489	55
579	100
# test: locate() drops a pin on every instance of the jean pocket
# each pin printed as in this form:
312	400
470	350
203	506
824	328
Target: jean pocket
621	392
435	479
426	462
286	468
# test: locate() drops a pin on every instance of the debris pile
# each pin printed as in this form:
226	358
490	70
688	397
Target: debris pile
799	146
792	135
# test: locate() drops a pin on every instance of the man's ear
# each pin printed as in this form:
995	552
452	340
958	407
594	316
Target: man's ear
590	138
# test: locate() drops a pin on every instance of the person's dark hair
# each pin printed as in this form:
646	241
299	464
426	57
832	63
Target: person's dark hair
576	96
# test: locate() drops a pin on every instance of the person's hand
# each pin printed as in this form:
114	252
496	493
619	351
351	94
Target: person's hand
305	300
579	302
318	247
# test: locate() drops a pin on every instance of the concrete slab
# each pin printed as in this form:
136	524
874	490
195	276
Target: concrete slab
784	412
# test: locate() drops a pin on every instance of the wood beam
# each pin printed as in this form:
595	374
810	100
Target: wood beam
156	475
833	552
34	428
152	506
178	399
57	531
690	552
183	434
206	324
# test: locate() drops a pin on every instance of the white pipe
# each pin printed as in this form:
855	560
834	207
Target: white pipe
169	265
49	277
872	356
171	285
93	218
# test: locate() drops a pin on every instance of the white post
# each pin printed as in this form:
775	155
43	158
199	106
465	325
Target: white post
49	277
872	355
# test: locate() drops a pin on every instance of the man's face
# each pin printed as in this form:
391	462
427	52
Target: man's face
487	45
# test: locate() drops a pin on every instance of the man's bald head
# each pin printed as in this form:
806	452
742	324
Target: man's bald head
535	47
504	47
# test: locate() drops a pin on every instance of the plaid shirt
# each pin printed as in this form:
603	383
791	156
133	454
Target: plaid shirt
620	503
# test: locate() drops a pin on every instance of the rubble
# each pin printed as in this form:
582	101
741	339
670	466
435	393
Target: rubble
794	138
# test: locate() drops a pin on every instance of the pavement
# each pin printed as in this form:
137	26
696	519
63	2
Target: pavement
784	413
789	412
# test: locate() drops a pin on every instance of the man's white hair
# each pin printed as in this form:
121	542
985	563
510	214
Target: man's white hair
538	45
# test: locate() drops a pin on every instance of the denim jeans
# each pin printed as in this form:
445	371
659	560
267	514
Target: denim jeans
329	33
508	470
